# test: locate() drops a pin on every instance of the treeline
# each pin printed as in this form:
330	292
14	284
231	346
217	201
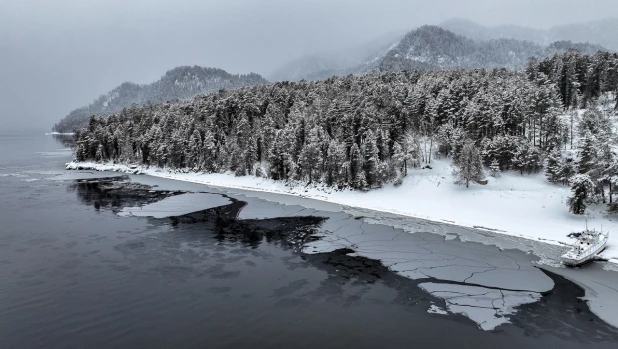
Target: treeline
352	131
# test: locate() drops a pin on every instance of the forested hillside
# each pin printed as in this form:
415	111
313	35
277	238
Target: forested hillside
427	48
364	131
178	83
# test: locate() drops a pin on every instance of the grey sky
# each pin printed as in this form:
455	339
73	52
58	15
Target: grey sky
61	54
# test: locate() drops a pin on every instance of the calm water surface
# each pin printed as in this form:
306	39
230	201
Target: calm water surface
75	274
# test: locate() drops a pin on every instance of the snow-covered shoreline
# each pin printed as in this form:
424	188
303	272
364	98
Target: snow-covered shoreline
515	205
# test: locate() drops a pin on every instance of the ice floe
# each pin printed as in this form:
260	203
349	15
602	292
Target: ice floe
177	205
434	309
488	308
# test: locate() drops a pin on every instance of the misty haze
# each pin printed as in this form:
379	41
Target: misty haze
303	174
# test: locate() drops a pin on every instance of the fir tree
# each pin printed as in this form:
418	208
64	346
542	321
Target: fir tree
371	158
581	189
553	166
361	181
335	163
356	164
587	153
469	167
310	158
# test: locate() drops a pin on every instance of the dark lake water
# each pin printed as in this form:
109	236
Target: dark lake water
73	274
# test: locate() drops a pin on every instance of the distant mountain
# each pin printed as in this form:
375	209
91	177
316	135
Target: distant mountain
432	47
601	32
428	47
342	62
178	83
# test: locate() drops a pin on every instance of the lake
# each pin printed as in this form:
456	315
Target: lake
99	260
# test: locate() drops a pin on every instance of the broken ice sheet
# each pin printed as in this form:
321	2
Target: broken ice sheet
488	308
177	205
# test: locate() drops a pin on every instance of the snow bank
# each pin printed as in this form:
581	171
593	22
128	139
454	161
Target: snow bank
525	206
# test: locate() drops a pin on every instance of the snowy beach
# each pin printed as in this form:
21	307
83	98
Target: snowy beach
519	205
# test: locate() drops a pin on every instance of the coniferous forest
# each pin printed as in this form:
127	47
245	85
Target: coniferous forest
365	131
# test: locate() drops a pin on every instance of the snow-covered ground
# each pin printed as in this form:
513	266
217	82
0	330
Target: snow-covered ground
527	206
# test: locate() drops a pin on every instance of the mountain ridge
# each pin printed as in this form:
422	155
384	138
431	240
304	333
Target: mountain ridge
177	83
433	47
596	32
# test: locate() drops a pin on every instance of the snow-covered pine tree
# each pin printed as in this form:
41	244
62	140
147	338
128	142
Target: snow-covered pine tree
356	164
582	188
553	166
469	166
448	138
399	158
610	176
310	158
587	153
407	153
370	157
278	157
195	154
361	181
336	163
209	152
567	169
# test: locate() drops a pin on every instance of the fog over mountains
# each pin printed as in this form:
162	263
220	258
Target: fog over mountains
344	61
601	32
456	44
433	47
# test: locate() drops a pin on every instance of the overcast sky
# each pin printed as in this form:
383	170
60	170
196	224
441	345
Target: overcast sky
57	55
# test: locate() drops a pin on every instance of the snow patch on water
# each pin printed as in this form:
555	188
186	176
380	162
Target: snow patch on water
434	309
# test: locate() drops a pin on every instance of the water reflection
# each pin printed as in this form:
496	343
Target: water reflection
260	260
64	139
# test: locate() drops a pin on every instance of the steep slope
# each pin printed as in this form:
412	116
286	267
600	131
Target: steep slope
599	32
178	83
